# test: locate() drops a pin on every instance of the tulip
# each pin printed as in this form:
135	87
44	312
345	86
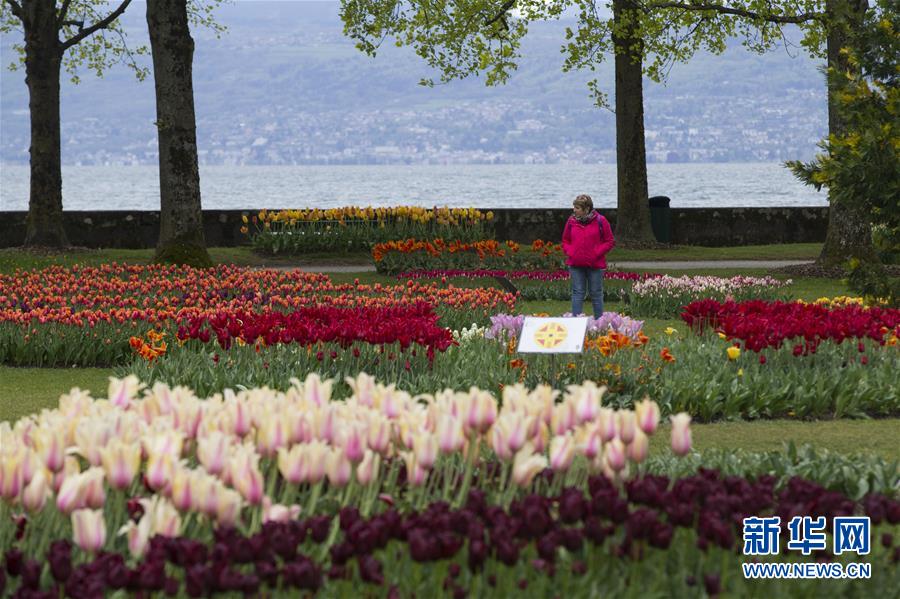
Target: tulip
122	391
590	443
562	452
70	496
34	497
647	413
451	437
367	470
180	489
325	425
588	403
681	434
241	413
11	475
500	443
379	433
160	467
299	426
94	495
121	462
733	352
188	416
639	447
292	464
317	454
165	519
527	465
51	448
607	425
138	536
482	411
212	451
271	435
277	512
415	474
228	507
338	468
353	443
90	436
245	475
89	529
627	426
317	391
614	455
563	419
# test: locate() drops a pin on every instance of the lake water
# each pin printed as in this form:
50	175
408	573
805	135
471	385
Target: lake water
480	186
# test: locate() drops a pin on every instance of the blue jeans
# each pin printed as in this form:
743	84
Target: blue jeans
582	278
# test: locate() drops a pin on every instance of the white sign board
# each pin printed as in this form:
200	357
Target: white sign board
553	335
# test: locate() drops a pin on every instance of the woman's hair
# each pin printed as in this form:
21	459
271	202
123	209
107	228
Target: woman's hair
584	202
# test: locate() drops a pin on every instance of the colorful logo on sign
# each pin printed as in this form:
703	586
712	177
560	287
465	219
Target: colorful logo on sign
550	335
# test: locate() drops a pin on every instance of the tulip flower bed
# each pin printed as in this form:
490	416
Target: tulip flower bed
536	284
355	228
664	297
394	257
86	316
265	492
762	324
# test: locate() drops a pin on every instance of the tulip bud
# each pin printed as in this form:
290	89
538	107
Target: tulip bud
379	434
94	490
51	448
681	434
639	447
338	468
11	475
89	529
34	497
271	435
292	464
353	443
317	454
499	442
425	446
245	475
160	467
627	426
607	425
180	491
733	352
277	512
562	452
415	474
212	451
138	536
647	415
614	455
451	437
367	471
121	462
122	391
527	465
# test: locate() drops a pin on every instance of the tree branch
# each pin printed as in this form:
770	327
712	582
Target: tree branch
102	24
63	11
739	12
16	9
501	13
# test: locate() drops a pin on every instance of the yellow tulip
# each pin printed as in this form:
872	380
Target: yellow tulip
733	352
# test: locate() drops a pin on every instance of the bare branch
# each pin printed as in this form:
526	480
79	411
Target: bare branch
16	9
739	12
102	24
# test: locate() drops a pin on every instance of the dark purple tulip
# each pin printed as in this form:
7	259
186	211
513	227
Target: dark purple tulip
454	570
2	581
537	519
152	575
60	559
31	574
579	568
341	553
172	586
507	552
319	528
302	574
221	552
242	551
691	580
14	562
337	572
523	584
267	572
477	554
571	506
594	531
681	514
492	580
348	516
893	511
364	536
370	570
284	546
661	537
459	592
21	522
712	584
393	592
571	538
460	520
448	544
116	573
887	540
546	547
195	580
422	546
476	501
135	509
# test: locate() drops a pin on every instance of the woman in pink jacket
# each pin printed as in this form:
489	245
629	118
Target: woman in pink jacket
586	240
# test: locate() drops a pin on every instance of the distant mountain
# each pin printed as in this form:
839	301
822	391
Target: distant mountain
284	86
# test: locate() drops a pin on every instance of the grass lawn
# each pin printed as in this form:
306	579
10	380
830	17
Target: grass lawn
13	258
25	391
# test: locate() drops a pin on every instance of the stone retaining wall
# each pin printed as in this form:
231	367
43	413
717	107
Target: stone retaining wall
690	226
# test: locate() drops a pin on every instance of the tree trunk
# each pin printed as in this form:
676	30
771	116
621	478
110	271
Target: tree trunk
43	57
849	232
181	218
633	212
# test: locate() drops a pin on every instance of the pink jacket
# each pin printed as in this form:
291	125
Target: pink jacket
586	245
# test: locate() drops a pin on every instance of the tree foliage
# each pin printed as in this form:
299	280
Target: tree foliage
861	166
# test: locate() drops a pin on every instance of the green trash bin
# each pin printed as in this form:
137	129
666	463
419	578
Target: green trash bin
661	218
